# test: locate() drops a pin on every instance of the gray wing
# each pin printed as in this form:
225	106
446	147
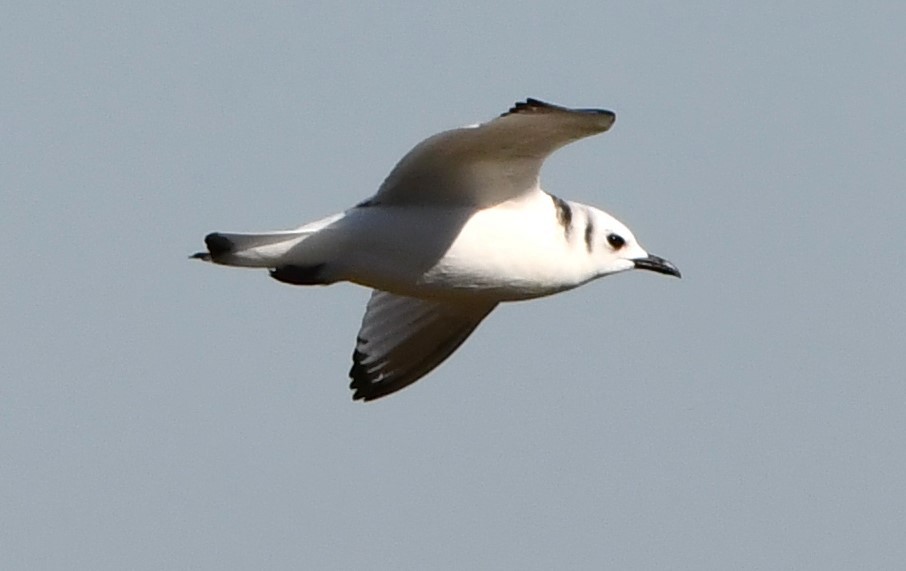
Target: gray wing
403	338
486	164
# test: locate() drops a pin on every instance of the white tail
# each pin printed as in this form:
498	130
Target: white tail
257	250
249	250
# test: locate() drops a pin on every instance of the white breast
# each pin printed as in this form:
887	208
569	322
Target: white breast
516	251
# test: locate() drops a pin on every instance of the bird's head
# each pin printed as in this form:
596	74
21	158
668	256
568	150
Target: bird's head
615	249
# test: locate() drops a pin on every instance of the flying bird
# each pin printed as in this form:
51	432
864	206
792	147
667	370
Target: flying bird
459	225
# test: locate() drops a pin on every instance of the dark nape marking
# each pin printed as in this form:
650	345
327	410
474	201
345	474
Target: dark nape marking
564	214
589	232
366	203
300	275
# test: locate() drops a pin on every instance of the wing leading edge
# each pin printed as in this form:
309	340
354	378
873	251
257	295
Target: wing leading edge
490	163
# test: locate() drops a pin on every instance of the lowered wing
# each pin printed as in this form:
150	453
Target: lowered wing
403	338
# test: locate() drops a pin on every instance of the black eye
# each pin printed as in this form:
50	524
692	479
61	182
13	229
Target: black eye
616	241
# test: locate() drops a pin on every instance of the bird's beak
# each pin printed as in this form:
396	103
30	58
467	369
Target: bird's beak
656	264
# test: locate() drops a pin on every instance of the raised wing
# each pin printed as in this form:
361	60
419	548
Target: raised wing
403	338
486	164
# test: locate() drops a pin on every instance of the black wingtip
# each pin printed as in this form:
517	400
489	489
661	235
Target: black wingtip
530	105
369	384
361	385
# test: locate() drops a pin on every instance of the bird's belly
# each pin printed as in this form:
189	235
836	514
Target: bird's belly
501	254
508	257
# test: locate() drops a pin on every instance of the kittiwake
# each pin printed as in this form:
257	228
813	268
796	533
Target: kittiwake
459	225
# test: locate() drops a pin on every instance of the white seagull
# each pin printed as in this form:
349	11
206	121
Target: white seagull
460	225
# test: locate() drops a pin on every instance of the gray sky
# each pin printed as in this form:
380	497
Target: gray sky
157	413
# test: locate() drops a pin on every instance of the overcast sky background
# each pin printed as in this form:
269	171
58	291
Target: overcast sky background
159	413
